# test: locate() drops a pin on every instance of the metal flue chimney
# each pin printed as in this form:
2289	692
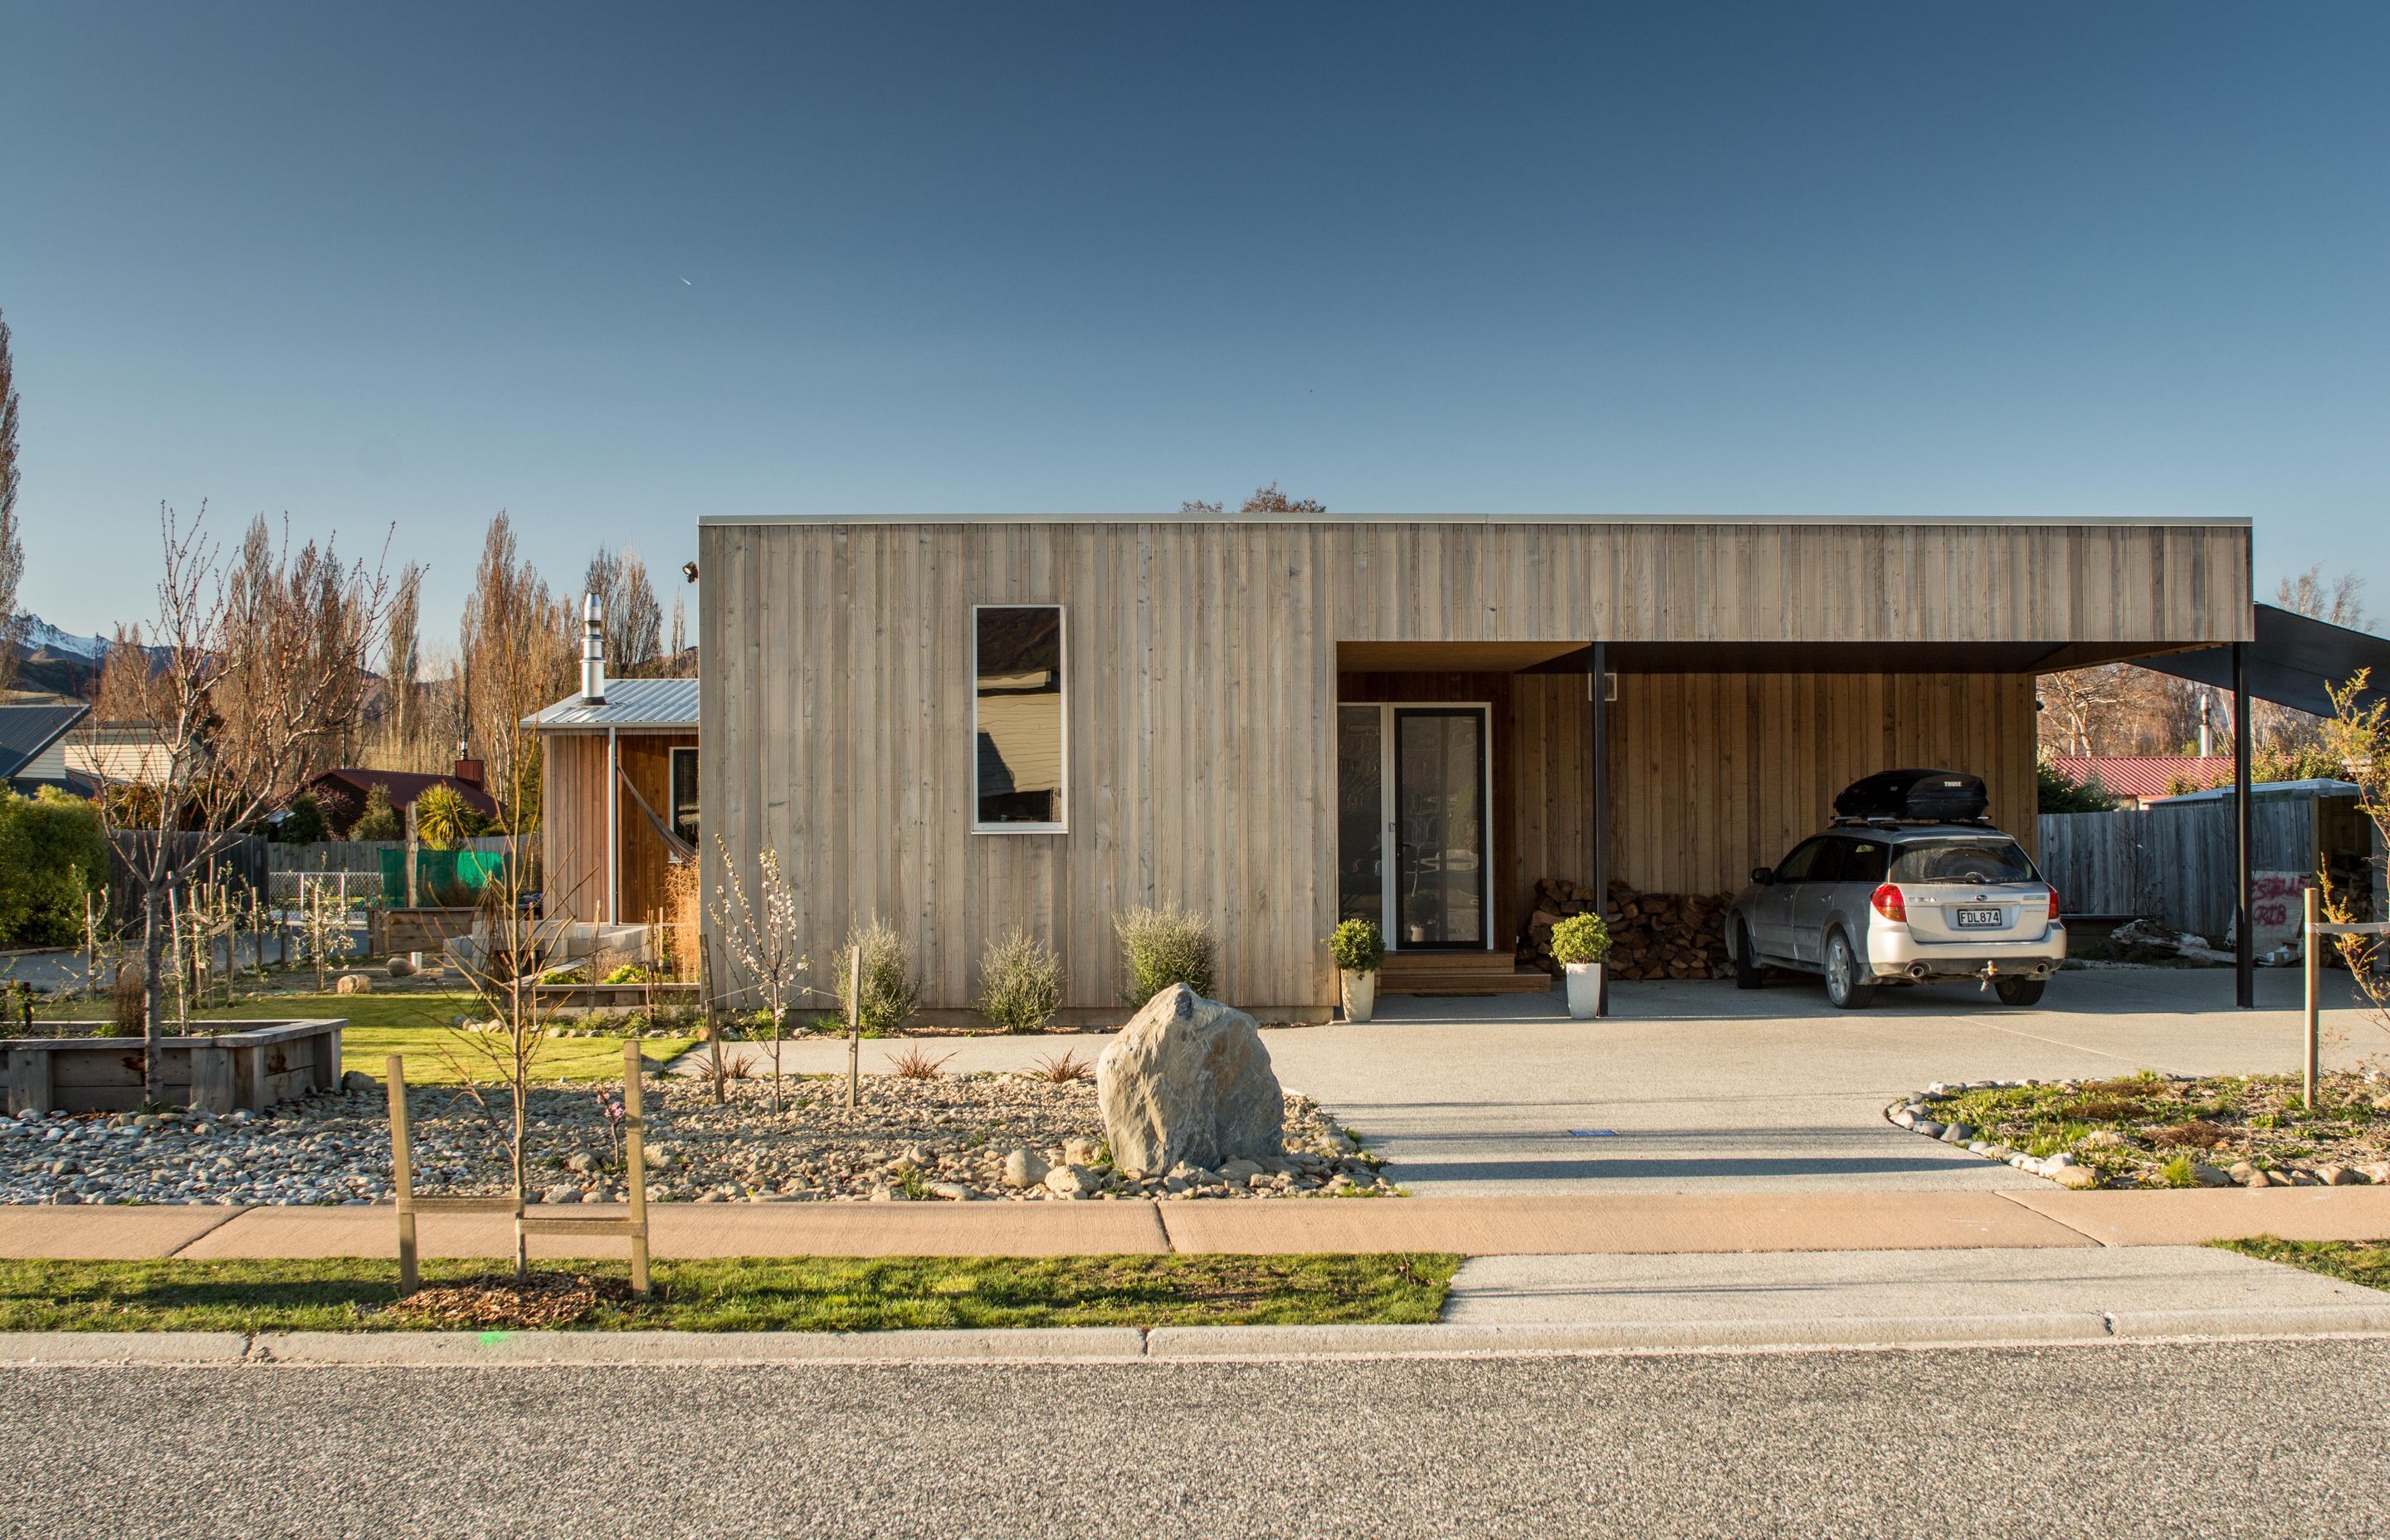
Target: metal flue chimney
592	650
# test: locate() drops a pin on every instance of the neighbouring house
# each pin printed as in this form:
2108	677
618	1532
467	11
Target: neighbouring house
618	790
969	725
85	755
2137	780
33	745
342	792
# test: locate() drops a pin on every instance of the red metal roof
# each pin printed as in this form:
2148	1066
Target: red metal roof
402	787
2141	775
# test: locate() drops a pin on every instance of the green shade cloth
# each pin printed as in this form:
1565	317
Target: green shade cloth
440	872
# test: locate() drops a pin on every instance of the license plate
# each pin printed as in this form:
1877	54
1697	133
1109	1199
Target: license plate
1979	919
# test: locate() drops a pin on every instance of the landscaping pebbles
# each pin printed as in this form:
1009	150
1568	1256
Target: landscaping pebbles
952	1137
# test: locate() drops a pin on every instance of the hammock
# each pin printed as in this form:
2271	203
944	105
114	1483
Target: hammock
680	850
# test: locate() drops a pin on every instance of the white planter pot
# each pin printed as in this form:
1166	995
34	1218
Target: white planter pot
1360	995
1583	990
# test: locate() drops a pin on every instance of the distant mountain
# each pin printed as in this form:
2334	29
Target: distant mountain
39	636
48	659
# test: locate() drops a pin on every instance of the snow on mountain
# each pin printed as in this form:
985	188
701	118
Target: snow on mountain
39	636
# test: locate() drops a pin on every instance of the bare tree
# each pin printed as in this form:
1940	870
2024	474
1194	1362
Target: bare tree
1268	499
516	655
402	653
633	619
679	630
761	934
243	690
12	539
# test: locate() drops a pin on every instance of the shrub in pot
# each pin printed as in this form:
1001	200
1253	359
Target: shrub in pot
1579	943
1359	949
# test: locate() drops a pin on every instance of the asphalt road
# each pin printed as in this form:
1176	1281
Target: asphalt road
2224	1439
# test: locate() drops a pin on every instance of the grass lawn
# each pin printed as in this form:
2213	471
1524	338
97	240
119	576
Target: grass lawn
753	1294
2362	1262
418	1026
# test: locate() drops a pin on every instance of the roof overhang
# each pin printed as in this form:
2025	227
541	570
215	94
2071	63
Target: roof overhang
2294	660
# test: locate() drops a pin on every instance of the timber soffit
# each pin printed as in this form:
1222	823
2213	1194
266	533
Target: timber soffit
739	520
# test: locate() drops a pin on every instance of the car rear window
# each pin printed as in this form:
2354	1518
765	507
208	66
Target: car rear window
1963	861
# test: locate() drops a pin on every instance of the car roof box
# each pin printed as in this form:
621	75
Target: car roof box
1919	796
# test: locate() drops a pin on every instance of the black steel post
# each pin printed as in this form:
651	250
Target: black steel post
1599	688
2244	945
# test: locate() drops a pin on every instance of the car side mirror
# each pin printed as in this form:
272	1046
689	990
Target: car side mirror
1762	876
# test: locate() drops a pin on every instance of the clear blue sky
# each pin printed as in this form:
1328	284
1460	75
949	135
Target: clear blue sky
612	269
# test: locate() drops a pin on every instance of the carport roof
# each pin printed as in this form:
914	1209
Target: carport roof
2294	660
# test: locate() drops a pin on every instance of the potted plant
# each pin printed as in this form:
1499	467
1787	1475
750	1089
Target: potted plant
1359	949
1579	942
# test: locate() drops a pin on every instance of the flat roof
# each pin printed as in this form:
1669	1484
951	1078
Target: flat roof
1891	520
645	705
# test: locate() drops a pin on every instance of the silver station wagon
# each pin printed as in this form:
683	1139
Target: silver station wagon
1872	904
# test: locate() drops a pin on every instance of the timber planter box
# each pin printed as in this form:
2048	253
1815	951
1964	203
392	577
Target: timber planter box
254	1065
424	930
582	997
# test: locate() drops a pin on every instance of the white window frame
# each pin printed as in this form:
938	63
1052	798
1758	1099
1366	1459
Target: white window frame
1062	776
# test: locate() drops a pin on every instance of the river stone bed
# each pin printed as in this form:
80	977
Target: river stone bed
2161	1131
1011	1137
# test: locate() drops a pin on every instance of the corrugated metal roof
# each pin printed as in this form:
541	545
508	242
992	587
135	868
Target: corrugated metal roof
25	731
648	703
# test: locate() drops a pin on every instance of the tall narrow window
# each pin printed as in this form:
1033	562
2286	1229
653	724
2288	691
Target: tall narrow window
1018	719
684	793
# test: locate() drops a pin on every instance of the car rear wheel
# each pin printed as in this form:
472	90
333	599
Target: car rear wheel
2017	991
1846	985
1748	973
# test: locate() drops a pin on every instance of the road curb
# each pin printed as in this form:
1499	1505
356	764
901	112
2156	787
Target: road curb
511	1349
35	1349
1161	1344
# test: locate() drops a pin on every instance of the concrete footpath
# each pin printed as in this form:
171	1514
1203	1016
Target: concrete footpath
2041	1217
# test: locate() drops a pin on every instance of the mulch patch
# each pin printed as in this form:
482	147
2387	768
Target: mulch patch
498	1300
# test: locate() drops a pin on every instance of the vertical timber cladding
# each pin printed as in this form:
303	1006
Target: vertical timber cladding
1202	681
572	820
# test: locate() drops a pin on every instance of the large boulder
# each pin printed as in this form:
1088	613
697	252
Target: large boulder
1188	1080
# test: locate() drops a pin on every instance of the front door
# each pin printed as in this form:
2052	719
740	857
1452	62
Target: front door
1412	822
1440	865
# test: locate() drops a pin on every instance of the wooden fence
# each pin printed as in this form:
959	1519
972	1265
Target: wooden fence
2172	863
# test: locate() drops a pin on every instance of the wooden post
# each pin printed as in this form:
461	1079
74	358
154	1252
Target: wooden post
634	1148
2311	940
401	1174
854	1024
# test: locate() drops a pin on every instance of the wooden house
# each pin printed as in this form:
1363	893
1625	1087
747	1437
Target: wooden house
969	725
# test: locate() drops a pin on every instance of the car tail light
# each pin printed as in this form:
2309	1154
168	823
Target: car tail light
2054	905
1888	904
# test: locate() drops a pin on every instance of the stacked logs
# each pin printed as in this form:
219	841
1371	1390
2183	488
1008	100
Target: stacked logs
1652	935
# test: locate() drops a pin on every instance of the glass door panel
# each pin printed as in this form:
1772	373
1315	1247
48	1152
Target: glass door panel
1360	813
1440	855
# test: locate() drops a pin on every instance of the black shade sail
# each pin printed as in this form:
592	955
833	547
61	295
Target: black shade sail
2294	660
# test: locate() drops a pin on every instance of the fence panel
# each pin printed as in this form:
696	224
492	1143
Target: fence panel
2172	863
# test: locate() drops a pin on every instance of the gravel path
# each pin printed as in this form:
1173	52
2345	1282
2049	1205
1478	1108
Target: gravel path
2255	1439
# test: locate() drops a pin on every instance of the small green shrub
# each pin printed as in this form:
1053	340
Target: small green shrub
1357	947
379	820
2178	1173
302	822
1164	946
1019	983
890	991
52	855
444	819
629	973
1580	939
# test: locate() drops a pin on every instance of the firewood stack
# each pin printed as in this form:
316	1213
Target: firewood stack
1652	935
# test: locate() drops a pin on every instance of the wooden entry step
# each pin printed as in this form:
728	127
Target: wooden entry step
1458	973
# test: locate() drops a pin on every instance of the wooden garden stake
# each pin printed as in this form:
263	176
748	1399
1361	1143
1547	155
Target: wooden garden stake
402	1173
854	1024
2313	939
634	1147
